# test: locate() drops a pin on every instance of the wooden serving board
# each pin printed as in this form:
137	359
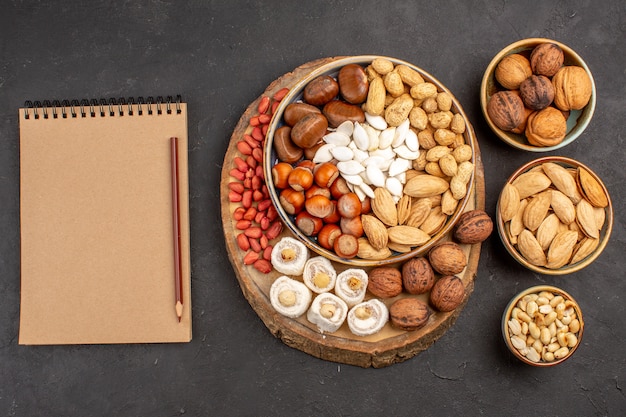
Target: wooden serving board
388	346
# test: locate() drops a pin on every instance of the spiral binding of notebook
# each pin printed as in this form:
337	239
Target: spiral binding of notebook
102	107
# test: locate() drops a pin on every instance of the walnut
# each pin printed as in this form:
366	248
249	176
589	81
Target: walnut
537	92
447	293
546	59
385	282
572	88
512	70
409	314
546	127
506	110
473	227
417	276
447	258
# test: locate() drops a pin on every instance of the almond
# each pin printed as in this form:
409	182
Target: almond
586	219
536	210
419	212
375	231
404	208
408	235
509	202
531	249
531	183
367	251
561	249
563	207
562	180
547	230
435	221
425	186
584	248
384	207
591	189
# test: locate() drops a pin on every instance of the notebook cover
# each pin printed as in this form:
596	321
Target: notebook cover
97	263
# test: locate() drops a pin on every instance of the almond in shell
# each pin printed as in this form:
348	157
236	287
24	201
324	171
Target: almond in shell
531	249
509	202
561	249
584	248
547	230
591	189
537	210
586	219
563	207
531	183
562	180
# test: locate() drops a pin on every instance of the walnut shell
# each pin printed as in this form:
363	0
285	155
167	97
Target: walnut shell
546	59
418	276
537	92
512	70
473	227
506	110
385	282
447	293
447	258
572	88
546	127
409	314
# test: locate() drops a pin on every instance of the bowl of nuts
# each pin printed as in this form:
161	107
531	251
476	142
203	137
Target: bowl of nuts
537	95
369	160
554	215
542	326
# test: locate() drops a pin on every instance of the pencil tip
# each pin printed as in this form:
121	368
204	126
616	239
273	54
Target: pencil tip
179	310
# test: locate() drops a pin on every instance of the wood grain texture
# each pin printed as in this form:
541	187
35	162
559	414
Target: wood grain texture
385	348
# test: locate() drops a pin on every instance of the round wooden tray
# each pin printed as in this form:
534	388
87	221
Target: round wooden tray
388	346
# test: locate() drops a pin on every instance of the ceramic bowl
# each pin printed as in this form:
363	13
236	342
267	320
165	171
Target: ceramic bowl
270	159
577	120
504	228
569	312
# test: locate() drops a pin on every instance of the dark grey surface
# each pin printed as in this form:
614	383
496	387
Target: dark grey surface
220	55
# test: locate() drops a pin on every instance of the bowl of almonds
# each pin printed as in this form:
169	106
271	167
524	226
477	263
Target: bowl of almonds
554	215
542	326
369	160
537	95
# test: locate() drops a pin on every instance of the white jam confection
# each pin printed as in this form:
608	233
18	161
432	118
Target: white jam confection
368	317
289	297
289	256
328	312
319	274
351	286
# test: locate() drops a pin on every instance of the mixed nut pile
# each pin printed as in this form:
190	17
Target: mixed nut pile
553	215
368	299
537	93
372	162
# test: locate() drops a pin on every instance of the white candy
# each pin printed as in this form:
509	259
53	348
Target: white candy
337	138
394	186
289	297
377	122
323	153
368	317
375	175
404	152
346	128
350	167
411	141
328	312
317	271
351	286
293	264
360	137
386	137
401	132
399	166
342	153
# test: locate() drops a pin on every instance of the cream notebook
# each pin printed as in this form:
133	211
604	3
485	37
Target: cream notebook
97	222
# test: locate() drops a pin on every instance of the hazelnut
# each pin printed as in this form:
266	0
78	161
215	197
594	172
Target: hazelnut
512	70
572	88
409	314
537	92
506	110
546	59
447	293
385	282
546	127
473	227
447	258
417	276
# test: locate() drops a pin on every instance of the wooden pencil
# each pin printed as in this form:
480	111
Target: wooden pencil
178	275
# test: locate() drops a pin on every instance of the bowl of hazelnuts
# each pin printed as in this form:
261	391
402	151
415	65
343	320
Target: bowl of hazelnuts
538	95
